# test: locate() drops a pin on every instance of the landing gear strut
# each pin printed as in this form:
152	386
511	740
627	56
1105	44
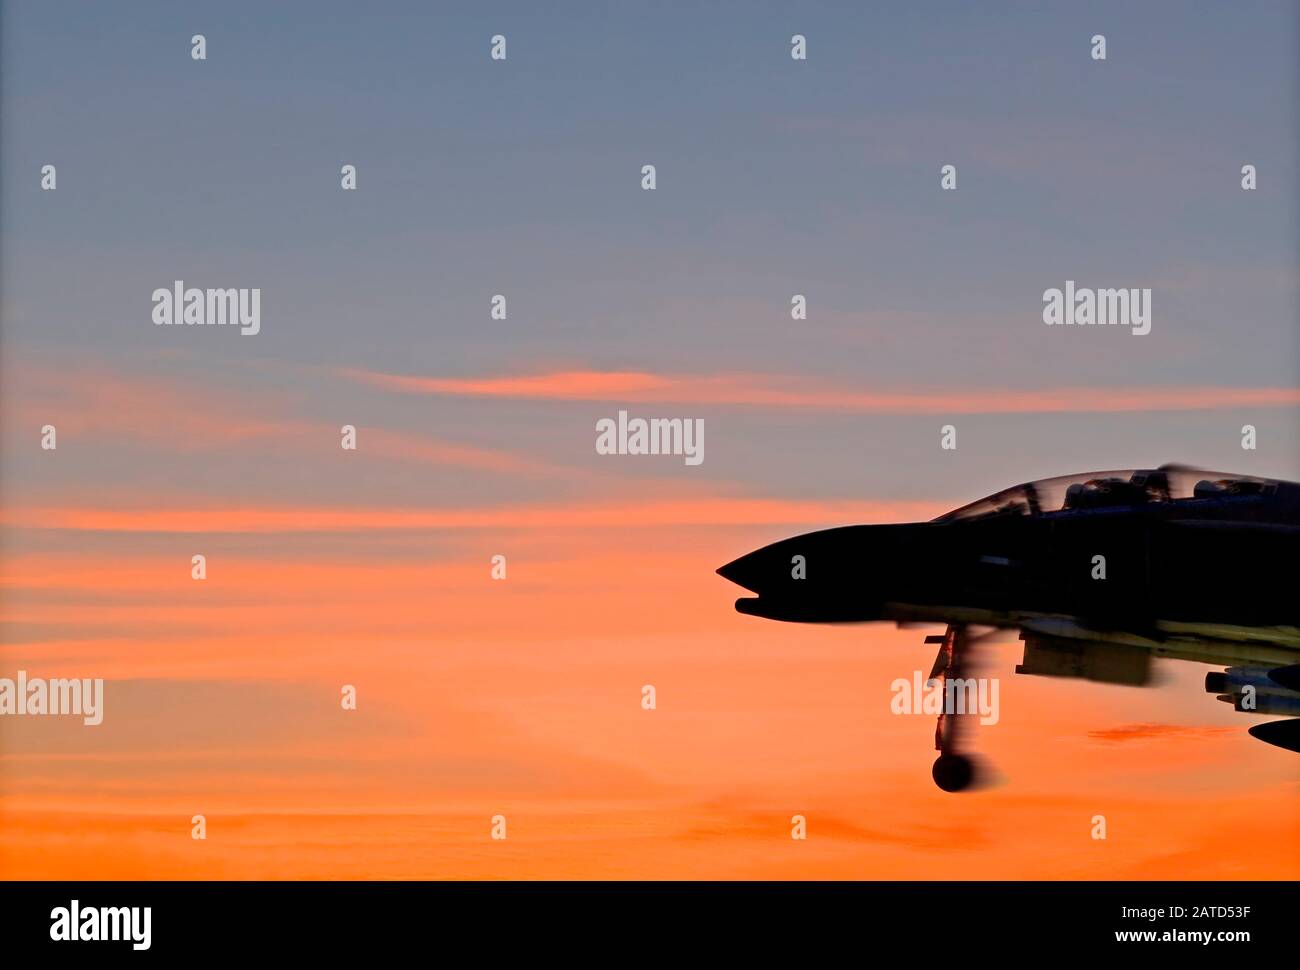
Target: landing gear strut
952	771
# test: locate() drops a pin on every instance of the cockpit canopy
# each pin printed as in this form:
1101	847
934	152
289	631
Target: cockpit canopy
1113	489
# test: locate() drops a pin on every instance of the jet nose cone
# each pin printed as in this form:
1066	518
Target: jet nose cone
742	572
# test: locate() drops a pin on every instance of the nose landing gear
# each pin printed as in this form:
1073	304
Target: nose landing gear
952	771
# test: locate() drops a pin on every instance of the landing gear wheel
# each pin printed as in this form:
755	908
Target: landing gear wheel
953	772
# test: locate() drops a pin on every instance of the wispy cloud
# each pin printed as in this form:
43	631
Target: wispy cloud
1139	732
779	392
718	510
93	403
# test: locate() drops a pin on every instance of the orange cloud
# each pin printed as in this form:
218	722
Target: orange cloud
772	391
410	448
686	511
1138	732
174	414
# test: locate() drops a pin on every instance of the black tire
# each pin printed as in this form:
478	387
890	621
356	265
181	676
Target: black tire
953	772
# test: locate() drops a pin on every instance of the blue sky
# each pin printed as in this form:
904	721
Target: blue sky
775	177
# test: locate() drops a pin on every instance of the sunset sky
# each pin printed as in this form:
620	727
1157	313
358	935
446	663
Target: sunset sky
475	437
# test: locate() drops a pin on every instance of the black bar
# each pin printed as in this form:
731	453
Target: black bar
970	920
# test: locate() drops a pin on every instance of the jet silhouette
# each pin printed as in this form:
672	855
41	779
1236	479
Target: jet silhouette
1100	572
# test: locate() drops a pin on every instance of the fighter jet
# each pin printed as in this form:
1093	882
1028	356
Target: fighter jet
1099	572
